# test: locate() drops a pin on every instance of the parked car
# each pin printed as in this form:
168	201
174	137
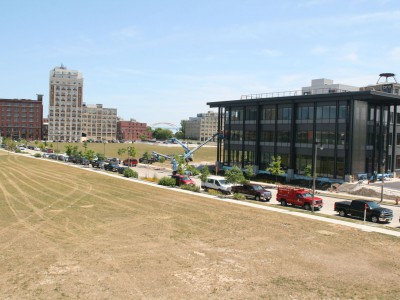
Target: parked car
217	183
97	164
121	169
131	162
357	208
253	190
150	160
37	149
113	167
52	156
182	179
297	197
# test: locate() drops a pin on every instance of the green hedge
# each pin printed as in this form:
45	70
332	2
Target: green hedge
167	181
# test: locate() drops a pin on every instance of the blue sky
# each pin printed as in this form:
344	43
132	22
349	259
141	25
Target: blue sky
161	61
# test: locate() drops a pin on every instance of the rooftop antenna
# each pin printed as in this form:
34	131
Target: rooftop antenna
387	75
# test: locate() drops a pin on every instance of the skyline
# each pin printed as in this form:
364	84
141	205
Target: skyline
163	61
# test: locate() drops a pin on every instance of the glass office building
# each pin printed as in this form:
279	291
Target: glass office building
358	132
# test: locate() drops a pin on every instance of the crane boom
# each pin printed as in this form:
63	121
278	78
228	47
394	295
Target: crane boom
188	155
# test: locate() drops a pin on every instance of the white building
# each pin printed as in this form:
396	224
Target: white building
326	86
202	127
99	123
65	104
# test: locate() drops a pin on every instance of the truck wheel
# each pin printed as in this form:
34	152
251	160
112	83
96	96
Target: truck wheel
342	213
283	202
374	219
258	198
307	206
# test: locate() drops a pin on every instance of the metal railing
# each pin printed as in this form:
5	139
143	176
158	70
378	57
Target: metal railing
293	93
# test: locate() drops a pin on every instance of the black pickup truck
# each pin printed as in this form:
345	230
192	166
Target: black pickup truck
253	190
356	208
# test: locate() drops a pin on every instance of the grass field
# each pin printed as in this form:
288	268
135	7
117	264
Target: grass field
70	233
206	153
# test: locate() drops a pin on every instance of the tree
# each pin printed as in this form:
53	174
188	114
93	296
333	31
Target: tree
85	145
121	151
249	169
89	154
179	135
308	172
162	134
69	149
130	150
100	156
10	144
204	173
181	164
235	175
275	167
23	142
183	127
143	137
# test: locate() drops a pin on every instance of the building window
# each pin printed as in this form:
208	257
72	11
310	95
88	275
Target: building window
268	136
251	113
284	114
237	115
268	114
305	113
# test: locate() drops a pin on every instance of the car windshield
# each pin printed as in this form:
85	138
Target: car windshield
306	195
373	205
223	181
258	187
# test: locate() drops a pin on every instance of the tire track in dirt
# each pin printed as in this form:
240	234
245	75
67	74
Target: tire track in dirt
47	226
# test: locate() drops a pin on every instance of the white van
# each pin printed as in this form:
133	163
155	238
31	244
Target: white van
217	183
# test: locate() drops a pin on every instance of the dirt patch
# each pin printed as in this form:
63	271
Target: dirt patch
67	233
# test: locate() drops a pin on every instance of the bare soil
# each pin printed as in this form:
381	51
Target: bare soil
68	233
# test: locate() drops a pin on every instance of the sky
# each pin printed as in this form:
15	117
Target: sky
160	61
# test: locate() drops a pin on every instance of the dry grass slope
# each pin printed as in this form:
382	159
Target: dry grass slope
65	232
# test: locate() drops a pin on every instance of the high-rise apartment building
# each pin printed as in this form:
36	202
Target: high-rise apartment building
202	127
99	123
21	118
65	104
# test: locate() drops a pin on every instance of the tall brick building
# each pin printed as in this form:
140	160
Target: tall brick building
21	118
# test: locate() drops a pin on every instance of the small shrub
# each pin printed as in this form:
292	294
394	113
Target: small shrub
167	181
193	170
130	173
238	196
162	159
214	192
190	187
37	155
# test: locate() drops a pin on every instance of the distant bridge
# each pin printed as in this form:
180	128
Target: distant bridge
165	125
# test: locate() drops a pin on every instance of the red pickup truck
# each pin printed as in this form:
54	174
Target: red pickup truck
297	197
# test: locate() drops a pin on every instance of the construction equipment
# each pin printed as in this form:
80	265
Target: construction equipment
188	156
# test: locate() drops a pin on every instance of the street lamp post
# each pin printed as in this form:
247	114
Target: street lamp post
383	179
315	173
